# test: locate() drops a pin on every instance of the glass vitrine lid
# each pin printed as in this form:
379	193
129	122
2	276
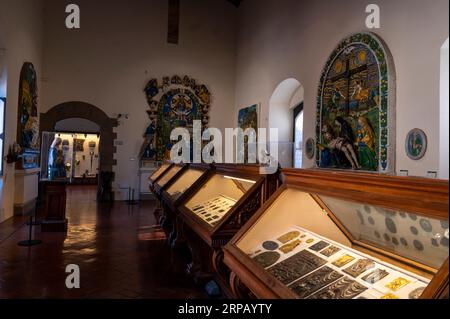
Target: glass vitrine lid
186	180
314	256
169	175
159	171
217	197
421	239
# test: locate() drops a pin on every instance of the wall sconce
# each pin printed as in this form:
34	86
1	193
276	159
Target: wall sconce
121	117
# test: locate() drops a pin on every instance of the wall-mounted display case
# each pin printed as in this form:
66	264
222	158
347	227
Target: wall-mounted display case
336	235
214	213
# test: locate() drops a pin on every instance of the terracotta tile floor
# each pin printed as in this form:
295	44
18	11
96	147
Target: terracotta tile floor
120	251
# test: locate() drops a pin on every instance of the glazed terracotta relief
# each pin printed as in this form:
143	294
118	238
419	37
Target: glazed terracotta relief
355	107
173	102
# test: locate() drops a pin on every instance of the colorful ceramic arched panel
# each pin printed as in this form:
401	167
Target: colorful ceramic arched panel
355	107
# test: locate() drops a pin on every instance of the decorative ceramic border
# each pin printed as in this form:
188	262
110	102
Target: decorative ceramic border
387	94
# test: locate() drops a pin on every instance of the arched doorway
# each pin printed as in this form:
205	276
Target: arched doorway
288	95
86	111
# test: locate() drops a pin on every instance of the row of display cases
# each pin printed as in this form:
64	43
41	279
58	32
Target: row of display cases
319	235
203	206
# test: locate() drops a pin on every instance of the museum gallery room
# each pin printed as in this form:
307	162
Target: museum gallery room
224	149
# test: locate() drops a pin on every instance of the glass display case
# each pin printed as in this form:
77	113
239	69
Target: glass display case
215	212
188	182
71	156
187	179
217	197
156	175
346	236
170	174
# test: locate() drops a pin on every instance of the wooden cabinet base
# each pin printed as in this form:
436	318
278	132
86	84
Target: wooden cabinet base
54	226
54	212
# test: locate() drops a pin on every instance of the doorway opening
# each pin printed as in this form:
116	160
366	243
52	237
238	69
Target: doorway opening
80	118
288	95
298	136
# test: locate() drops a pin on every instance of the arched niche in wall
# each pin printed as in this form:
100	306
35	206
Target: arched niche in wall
66	112
444	112
287	95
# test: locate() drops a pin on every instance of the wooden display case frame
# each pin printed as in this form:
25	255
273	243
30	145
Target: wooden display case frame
206	242
425	197
152	181
170	212
158	189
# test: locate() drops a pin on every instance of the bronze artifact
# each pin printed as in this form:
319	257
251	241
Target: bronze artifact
319	246
291	246
267	258
344	260
397	284
344	288
288	237
309	241
315	281
375	276
359	267
270	245
296	266
416	293
330	251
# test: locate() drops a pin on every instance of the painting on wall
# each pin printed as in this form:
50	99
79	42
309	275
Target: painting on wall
416	144
355	107
248	119
28	124
173	102
79	144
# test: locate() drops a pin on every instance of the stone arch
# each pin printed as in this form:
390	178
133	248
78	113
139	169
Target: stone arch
83	110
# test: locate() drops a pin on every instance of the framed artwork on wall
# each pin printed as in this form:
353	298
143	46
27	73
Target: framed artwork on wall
27	123
248	118
416	144
79	145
